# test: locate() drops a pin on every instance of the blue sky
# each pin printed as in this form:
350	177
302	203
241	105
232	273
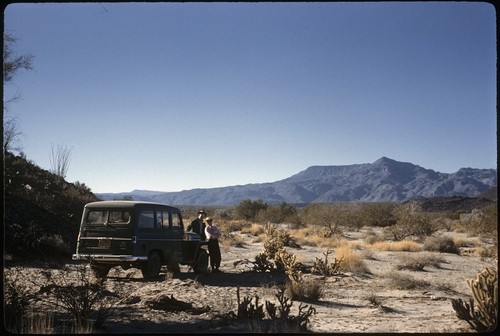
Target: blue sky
176	96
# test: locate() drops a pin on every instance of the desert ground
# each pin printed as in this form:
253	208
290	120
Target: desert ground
350	303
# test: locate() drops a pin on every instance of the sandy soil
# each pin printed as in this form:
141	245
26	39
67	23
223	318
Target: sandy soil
343	308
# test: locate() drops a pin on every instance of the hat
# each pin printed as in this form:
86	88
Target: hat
202	212
208	220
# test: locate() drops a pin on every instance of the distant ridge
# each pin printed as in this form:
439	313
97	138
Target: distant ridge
385	180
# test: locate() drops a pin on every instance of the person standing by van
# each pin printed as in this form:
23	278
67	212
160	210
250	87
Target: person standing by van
213	234
198	225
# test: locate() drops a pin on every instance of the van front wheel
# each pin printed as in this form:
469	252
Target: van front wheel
151	268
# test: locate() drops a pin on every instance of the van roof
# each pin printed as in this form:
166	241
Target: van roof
122	204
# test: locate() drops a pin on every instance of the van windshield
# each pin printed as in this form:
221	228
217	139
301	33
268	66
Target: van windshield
101	217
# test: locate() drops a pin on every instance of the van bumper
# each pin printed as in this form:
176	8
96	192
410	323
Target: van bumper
108	257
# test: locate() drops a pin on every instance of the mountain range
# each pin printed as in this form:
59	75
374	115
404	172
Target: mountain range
384	180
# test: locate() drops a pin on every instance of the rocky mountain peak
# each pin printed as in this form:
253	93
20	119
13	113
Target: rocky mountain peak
385	180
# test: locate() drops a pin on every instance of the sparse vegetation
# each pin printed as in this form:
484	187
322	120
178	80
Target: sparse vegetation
280	314
43	212
17	299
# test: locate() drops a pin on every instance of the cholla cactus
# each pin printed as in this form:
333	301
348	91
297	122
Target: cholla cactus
483	317
290	265
325	268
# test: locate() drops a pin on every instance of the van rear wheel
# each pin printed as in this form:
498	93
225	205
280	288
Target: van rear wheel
151	268
200	265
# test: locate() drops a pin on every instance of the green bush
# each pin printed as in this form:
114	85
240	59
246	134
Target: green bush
248	209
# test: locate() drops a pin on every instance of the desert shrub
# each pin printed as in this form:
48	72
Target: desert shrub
410	263
281	213
482	310
481	221
371	237
397	280
83	296
377	214
248	209
18	297
441	244
332	217
54	246
411	222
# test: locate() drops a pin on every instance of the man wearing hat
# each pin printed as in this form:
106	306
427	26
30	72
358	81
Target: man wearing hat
198	225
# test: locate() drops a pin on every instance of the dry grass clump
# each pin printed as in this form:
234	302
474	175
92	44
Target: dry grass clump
403	245
254	229
232	225
418	262
460	241
373	299
371	237
306	289
232	240
486	252
314	236
397	280
307	236
351	260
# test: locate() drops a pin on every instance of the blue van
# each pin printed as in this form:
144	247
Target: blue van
142	235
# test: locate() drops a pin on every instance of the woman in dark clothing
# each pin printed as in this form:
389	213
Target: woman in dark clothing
213	234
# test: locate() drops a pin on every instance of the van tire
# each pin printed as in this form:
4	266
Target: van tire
200	265
151	268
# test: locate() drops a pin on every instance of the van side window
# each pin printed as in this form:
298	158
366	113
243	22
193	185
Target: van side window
165	223
159	218
146	219
176	220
